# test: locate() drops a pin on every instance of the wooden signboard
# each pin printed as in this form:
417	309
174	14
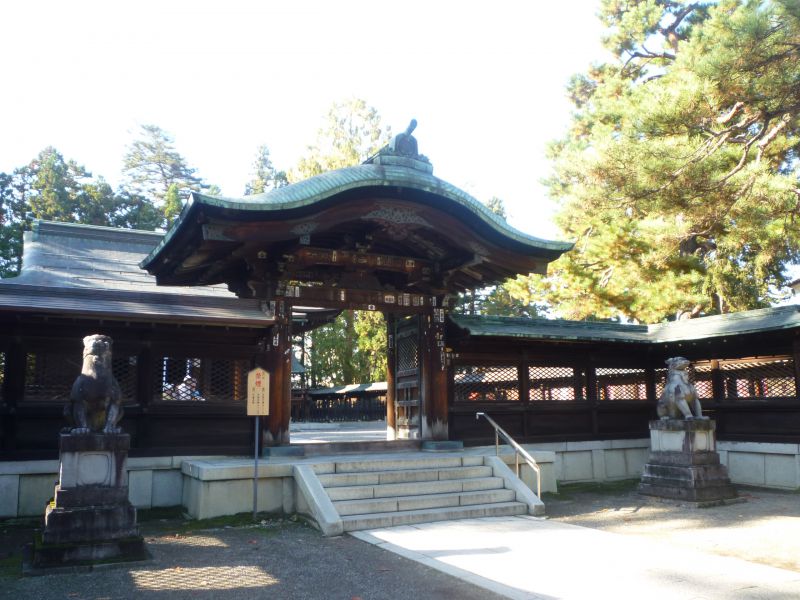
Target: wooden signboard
257	392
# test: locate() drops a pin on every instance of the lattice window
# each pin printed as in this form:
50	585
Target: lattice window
759	378
700	374
486	384
407	353
124	370
49	376
201	379
551	383
620	384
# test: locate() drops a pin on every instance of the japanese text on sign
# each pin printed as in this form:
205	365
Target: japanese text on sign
258	392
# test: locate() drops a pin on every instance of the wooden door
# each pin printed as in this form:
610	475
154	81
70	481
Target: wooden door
408	405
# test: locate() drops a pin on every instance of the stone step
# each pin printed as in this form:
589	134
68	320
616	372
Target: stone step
413	488
425	501
338	448
408	517
330	480
406	464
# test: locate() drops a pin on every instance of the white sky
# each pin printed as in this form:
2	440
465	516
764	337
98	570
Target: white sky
485	80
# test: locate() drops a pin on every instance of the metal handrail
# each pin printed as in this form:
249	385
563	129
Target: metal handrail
518	450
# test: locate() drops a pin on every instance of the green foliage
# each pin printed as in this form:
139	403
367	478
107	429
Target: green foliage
678	177
497	206
153	165
172	204
352	133
352	349
265	176
53	188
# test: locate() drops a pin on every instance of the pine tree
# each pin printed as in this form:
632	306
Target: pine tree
265	176
678	177
152	165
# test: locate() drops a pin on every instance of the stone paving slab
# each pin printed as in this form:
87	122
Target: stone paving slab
528	558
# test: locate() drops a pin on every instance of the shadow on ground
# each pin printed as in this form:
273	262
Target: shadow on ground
274	558
765	528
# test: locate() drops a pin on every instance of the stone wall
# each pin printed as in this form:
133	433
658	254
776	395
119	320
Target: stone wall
763	465
749	463
27	486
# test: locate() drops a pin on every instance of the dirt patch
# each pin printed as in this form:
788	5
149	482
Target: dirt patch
765	528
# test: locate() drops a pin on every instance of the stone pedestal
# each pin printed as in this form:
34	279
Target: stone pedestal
90	518
684	464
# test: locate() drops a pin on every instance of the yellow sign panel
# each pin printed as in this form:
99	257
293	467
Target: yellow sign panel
257	392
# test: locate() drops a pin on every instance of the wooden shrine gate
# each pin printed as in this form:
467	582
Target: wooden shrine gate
385	235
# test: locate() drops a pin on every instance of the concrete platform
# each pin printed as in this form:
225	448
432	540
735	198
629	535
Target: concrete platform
528	558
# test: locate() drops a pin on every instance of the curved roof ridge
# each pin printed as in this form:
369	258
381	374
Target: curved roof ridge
321	187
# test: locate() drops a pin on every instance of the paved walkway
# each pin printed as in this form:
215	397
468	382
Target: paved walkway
532	558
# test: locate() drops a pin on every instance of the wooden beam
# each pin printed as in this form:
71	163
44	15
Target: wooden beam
308	255
342	298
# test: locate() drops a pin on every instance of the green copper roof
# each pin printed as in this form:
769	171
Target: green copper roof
741	323
321	187
550	329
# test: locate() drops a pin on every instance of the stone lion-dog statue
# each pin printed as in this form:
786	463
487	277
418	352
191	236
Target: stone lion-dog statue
95	402
679	398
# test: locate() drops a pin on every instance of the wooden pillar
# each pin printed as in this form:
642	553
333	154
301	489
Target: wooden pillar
796	362
524	383
13	390
391	369
434	374
279	364
650	383
145	383
591	395
718	382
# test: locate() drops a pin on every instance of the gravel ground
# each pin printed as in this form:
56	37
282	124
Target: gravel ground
288	560
765	528
282	559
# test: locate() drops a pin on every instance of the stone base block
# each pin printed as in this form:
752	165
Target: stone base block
89	524
44	557
90	495
94	460
683	464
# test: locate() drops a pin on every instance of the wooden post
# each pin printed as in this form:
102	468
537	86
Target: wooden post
591	395
718	382
145	391
434	374
796	362
279	365
391	369
650	383
524	384
13	390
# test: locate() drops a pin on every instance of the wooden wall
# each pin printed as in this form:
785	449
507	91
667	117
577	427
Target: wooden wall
561	391
41	357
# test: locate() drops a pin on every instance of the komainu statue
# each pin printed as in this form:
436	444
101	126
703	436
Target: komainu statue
95	403
679	398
